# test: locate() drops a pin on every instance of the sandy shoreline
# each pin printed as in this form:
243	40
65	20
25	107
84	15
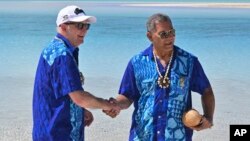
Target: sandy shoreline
16	124
200	5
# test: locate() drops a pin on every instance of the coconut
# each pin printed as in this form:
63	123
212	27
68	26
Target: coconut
191	118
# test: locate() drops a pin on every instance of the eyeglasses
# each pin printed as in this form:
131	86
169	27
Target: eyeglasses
80	26
166	34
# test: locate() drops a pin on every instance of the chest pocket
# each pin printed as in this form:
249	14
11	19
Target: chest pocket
179	84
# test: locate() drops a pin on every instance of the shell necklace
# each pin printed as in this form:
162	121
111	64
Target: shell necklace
163	82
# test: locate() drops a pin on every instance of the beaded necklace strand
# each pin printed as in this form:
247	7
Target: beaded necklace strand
163	82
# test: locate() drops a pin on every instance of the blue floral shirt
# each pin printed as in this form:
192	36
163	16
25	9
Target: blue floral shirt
55	116
158	111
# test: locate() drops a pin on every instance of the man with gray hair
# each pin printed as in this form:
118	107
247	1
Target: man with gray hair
59	100
159	81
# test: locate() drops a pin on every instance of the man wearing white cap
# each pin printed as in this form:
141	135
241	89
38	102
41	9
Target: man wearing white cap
59	100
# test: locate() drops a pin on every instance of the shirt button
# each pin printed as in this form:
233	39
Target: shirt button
158	132
161	101
159	116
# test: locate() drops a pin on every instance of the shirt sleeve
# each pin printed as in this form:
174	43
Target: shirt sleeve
65	76
128	86
199	80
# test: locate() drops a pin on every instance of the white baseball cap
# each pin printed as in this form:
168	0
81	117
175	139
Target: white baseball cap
73	14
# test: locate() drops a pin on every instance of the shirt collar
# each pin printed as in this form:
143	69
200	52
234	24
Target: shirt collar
67	43
148	51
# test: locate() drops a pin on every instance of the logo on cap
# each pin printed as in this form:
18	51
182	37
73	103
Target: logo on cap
78	11
65	17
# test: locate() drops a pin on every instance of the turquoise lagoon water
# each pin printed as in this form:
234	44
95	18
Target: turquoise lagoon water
219	37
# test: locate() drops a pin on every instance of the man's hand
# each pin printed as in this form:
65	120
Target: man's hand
205	124
114	111
88	117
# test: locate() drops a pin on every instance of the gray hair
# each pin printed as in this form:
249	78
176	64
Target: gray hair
157	18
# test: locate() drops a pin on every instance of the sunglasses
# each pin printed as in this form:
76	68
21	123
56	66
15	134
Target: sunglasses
80	26
166	34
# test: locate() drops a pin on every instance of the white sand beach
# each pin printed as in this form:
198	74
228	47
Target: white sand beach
17	124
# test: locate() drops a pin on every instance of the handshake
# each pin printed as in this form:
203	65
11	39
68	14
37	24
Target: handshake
113	108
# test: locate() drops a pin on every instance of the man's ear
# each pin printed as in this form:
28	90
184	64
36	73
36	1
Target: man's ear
149	35
63	27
